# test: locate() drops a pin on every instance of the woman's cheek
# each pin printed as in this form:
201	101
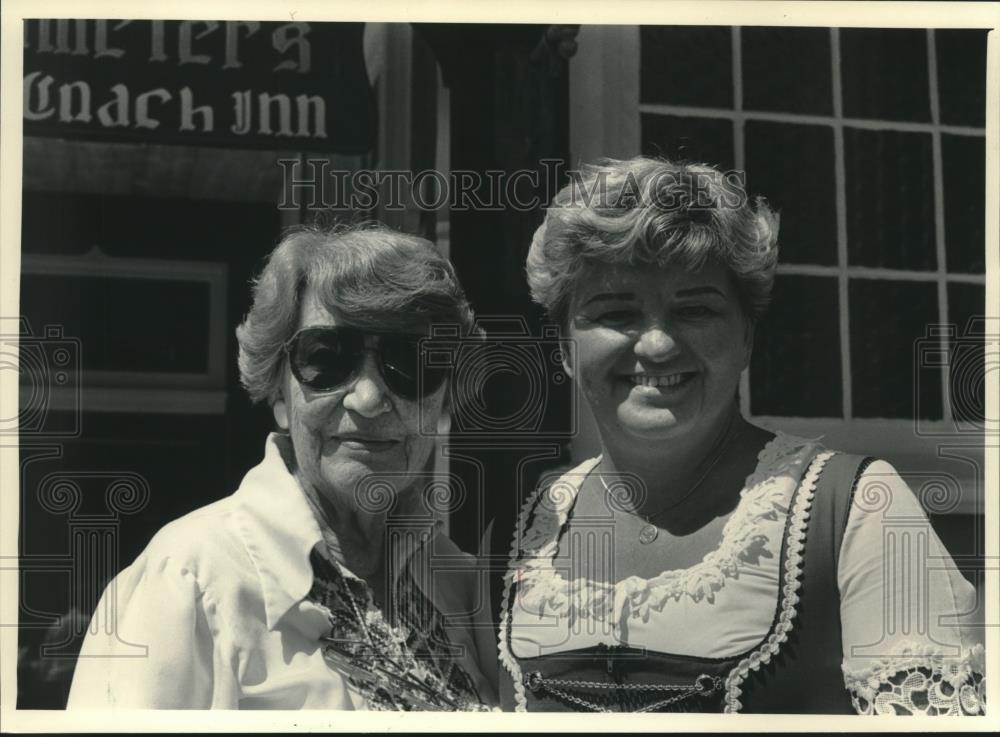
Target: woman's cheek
427	422
596	354
423	424
594	395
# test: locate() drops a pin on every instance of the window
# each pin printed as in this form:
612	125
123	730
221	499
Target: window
871	145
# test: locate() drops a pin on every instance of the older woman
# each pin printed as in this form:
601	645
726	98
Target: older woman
702	563
312	586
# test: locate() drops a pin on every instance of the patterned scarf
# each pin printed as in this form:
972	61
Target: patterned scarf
401	663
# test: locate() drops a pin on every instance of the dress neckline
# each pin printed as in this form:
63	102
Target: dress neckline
782	453
764	454
544	586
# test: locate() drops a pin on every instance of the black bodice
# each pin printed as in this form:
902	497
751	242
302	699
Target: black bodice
623	679
800	676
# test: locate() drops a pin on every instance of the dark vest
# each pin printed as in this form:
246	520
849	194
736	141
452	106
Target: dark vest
803	677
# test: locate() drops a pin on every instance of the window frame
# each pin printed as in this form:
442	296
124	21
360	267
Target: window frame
604	77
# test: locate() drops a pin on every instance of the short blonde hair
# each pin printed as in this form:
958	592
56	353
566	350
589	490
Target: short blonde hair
653	211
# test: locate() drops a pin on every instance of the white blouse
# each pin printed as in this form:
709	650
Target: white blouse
904	603
214	613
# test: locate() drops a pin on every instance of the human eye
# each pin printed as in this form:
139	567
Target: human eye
617	316
695	311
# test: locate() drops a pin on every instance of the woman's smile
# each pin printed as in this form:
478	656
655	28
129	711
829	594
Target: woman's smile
656	390
664	380
366	444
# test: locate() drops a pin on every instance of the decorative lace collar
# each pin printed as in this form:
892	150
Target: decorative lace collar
763	500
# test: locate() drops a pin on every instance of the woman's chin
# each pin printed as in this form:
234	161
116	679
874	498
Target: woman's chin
649	423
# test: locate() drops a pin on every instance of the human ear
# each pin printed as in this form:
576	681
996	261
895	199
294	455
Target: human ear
448	406
748	335
567	346
447	401
280	411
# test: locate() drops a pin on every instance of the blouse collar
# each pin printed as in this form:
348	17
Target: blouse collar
280	530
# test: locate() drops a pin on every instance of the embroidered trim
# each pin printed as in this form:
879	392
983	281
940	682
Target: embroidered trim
920	680
795	542
544	589
761	498
506	656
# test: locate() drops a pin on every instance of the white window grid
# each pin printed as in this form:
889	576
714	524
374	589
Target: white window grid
843	271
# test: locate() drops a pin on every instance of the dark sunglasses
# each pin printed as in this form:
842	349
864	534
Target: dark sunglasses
325	358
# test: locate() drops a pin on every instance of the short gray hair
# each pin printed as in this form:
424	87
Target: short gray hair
380	278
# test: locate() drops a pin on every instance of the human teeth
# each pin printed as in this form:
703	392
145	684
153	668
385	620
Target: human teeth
672	380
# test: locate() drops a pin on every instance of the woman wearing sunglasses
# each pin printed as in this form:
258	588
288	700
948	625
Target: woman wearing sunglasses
318	583
700	562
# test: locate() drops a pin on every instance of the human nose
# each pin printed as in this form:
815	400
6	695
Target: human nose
655	344
368	395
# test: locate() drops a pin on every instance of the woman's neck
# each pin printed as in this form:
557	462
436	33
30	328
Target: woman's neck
670	470
357	539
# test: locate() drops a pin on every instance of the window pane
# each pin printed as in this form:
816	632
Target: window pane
890	199
772	83
705	140
687	65
795	369
967	361
884	74
964	160
961	69
888	322
792	166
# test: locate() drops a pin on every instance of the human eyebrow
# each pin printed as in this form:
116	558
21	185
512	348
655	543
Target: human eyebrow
697	291
609	297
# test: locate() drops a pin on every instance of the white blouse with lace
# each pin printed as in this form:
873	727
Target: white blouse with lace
907	618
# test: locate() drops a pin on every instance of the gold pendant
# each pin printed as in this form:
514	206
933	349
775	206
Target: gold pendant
647	534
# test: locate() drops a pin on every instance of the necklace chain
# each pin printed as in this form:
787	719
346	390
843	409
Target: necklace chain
704	685
727	440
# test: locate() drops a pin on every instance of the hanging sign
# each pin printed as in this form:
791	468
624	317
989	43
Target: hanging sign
246	84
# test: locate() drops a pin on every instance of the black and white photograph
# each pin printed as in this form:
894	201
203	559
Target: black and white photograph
561	359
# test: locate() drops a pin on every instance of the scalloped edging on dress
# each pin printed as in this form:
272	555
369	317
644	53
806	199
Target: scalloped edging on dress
539	543
795	542
544	587
507	658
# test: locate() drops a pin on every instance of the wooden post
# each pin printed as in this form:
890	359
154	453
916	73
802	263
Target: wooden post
508	86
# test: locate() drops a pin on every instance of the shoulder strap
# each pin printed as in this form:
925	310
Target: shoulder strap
806	675
835	492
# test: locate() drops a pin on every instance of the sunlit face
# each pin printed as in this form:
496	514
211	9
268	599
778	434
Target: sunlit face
658	352
342	437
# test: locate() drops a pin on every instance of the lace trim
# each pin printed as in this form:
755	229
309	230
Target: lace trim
539	543
920	680
542	587
795	542
506	656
